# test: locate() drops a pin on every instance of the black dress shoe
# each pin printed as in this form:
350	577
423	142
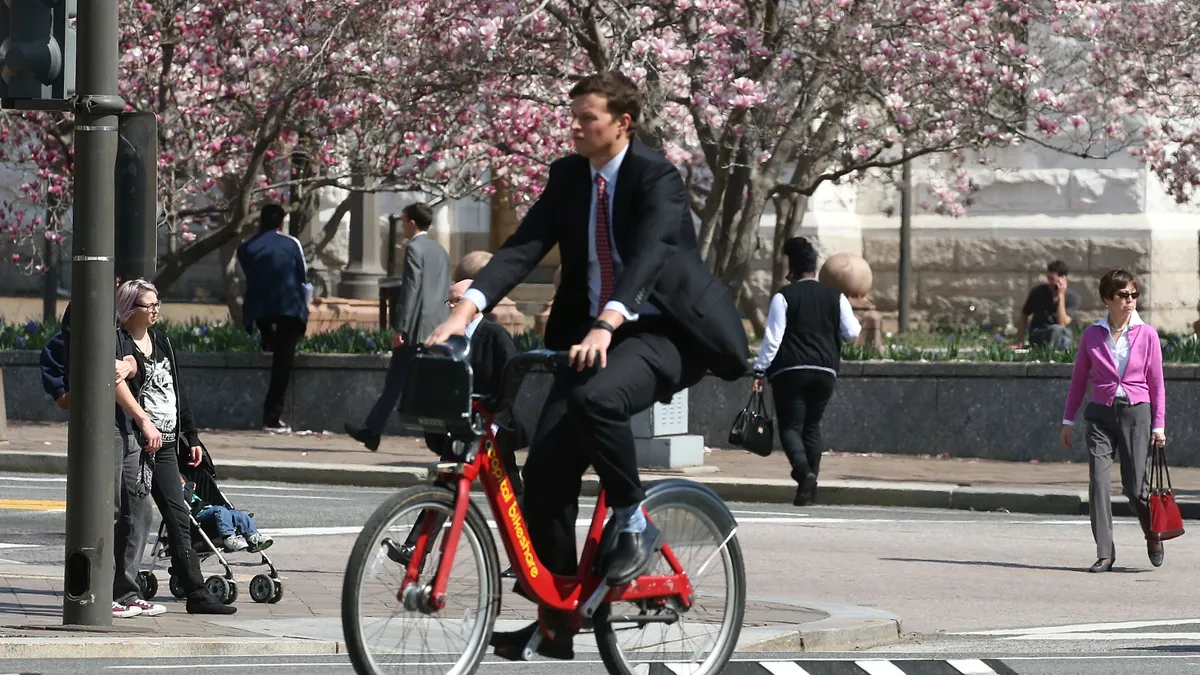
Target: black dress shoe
1156	557
1101	565
363	435
511	645
632	554
807	493
401	554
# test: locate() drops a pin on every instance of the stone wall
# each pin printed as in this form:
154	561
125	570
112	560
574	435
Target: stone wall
1006	411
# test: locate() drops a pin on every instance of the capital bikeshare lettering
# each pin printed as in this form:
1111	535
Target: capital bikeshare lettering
514	512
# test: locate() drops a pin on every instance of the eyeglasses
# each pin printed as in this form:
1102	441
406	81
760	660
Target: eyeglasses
1127	295
452	303
154	307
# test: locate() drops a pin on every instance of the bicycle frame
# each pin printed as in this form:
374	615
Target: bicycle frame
544	587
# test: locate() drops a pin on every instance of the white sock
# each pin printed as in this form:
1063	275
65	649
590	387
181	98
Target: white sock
632	517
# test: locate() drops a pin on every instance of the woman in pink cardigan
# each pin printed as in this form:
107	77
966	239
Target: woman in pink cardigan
1121	358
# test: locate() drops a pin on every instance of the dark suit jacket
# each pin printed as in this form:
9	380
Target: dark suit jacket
424	289
275	273
655	236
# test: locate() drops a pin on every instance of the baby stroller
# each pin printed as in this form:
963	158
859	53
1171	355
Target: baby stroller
264	588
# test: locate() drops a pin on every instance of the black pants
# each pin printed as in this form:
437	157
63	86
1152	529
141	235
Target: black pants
585	422
393	389
134	519
168	496
800	399
280	335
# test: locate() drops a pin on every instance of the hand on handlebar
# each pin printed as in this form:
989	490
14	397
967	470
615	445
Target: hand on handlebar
455	324
592	351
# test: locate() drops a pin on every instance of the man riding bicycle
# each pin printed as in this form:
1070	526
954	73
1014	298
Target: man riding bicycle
641	315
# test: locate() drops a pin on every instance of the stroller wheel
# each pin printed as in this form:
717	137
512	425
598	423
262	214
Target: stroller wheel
177	588
261	588
222	589
148	584
278	591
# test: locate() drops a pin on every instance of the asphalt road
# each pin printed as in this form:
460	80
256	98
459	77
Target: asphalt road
1006	589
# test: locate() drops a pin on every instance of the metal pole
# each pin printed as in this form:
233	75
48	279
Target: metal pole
905	244
91	460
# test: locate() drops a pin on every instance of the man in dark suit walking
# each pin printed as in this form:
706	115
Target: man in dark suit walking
640	313
421	307
277	298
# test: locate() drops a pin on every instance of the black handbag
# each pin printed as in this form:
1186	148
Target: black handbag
752	428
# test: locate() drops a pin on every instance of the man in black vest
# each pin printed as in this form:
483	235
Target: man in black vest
801	354
640	313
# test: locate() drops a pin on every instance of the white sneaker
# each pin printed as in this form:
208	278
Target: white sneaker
125	611
259	541
147	608
235	542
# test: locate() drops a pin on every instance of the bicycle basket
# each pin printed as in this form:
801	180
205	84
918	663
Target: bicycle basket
437	393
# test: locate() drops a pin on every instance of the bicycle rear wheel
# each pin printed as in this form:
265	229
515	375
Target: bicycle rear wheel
388	626
647	636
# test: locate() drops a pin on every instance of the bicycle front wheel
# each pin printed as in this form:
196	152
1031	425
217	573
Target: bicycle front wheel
660	635
388	624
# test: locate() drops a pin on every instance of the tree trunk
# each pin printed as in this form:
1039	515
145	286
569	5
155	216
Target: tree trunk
754	313
789	216
231	281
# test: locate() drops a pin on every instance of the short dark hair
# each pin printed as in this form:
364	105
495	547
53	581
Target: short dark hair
420	214
621	93
801	255
1058	267
271	217
1115	280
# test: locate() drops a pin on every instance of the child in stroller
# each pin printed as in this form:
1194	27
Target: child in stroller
235	528
206	500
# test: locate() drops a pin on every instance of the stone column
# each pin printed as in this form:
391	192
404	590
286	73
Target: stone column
363	271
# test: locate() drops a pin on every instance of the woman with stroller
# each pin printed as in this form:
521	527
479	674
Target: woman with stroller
1120	357
160	400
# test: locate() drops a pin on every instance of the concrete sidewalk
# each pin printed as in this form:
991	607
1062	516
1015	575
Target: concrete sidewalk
307	620
846	478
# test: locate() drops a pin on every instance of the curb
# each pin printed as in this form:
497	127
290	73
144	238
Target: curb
1012	499
126	647
848	628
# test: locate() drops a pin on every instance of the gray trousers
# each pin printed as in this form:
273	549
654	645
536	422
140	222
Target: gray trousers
133	518
1122	430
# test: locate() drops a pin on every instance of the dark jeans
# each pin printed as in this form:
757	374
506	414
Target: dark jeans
132	522
393	389
1054	336
227	521
800	399
168	496
280	335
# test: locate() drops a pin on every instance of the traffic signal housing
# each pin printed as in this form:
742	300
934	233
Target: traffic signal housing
37	57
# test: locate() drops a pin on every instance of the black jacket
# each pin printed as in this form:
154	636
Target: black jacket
187	426
655	236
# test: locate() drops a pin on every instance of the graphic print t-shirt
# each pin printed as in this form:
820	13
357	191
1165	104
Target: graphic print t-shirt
158	393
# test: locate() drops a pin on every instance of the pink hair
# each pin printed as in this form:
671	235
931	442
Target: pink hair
128	293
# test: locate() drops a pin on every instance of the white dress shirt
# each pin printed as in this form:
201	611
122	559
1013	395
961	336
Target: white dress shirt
777	326
609	171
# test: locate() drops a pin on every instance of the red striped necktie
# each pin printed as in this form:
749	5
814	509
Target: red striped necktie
603	243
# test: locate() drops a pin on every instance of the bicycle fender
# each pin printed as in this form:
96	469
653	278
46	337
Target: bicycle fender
701	496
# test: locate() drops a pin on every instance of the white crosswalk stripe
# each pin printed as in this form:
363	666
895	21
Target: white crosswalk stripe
783	667
858	666
970	666
877	667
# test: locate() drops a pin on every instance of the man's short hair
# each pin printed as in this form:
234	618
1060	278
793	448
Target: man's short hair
421	215
271	217
1058	267
1115	280
621	93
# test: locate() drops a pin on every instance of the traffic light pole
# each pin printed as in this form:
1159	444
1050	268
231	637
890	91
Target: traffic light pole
91	456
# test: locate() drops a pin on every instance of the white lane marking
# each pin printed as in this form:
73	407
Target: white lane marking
33	479
1174	637
310	531
6	561
4	545
1085	627
227	493
879	667
970	666
783	667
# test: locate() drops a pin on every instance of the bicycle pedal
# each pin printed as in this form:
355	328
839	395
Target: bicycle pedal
589	607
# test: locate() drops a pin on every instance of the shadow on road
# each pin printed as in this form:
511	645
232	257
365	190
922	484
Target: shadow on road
1012	565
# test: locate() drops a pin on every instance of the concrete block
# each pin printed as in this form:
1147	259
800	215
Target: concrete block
670	452
663	419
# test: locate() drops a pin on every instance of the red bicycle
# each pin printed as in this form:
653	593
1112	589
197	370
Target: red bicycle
401	609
